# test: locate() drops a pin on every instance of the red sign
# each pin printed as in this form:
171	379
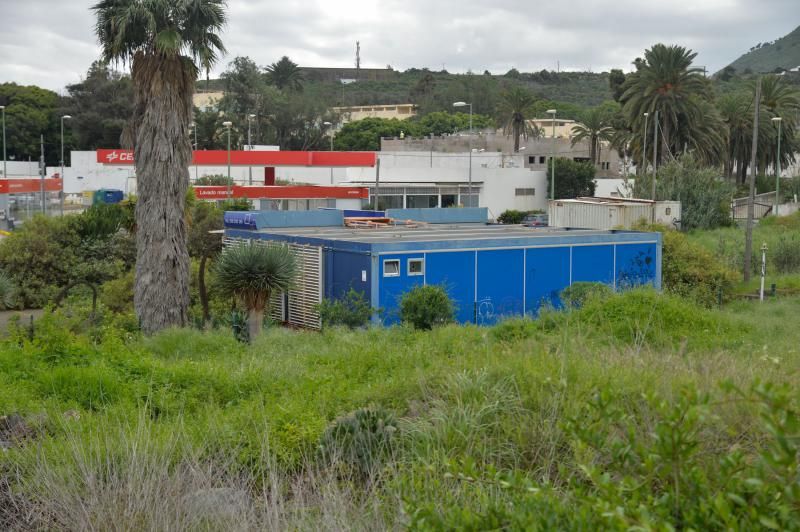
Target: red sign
281	192
115	156
26	186
257	158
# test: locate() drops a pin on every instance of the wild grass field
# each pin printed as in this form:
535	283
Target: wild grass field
636	411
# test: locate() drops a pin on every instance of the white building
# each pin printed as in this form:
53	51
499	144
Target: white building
407	179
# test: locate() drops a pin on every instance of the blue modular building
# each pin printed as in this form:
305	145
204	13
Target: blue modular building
489	271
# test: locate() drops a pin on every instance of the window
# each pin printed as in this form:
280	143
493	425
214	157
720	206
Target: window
542	159
416	267
391	268
531	159
524	191
423	201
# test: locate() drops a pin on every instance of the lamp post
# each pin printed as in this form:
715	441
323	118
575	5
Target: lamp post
778	166
328	125
65	117
5	173
228	127
250	147
644	148
194	129
465	104
469	187
552	113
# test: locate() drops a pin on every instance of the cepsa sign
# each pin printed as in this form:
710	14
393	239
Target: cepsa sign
115	156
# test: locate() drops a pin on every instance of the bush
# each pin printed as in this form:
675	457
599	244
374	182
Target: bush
117	294
426	306
511	216
705	198
361	439
576	295
352	311
787	254
691	271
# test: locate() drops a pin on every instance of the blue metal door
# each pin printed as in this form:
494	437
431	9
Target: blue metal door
546	275
455	271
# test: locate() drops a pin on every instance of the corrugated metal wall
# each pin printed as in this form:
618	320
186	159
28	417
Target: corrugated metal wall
487	285
307	292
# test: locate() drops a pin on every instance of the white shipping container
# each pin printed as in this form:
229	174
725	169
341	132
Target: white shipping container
605	215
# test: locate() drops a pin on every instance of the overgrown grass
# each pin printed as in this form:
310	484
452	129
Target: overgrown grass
781	234
517	426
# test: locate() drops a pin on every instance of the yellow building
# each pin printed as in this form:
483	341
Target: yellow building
207	100
563	127
353	113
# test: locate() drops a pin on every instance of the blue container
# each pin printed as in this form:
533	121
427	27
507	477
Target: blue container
108	195
489	271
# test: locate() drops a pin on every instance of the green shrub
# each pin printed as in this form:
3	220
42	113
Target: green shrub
578	293
705	199
361	439
513	330
352	311
425	307
786	255
117	294
691	271
7	291
644	316
511	216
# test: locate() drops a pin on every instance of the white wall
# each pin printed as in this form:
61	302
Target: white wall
613	188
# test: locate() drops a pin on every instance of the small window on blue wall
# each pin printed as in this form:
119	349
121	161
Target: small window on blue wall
391	268
416	267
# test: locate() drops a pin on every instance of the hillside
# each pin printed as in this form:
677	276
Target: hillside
783	53
437	90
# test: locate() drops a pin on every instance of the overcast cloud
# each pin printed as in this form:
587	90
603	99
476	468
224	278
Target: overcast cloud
51	42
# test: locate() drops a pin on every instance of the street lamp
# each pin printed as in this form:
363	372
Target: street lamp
779	120
228	127
644	148
465	104
329	124
3	109
552	113
469	189
5	173
250	144
65	117
193	126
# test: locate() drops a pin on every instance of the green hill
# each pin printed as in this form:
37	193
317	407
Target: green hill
783	53
435	91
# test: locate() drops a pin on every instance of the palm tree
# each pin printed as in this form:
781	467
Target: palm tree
251	273
285	74
595	128
515	108
166	42
780	100
665	81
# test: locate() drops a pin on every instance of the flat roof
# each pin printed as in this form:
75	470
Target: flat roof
442	237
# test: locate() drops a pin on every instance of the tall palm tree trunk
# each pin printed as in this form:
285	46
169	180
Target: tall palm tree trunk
517	133
163	88
593	152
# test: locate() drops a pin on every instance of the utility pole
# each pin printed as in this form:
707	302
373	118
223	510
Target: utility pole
748	234
42	172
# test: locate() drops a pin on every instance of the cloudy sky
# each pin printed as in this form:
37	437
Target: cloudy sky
51	42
